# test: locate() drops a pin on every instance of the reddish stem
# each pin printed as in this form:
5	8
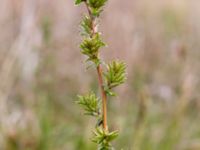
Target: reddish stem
104	97
100	74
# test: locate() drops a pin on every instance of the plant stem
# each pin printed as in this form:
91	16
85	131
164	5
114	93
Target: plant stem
104	97
99	72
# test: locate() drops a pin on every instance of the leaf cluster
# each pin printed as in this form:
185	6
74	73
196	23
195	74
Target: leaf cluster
115	74
90	47
90	103
86	26
96	6
103	138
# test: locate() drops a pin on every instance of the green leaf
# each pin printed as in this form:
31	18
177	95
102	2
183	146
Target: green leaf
96	3
90	103
115	74
77	2
103	138
112	135
90	47
96	6
96	11
110	93
86	26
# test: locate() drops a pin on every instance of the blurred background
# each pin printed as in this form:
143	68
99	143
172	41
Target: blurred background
42	71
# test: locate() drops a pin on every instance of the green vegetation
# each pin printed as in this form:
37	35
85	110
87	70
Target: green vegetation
112	77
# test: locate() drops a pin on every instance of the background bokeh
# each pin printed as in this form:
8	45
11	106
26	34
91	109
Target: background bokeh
42	71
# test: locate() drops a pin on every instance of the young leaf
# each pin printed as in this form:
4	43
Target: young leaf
115	74
86	26
90	104
91	46
110	92
103	138
96	6
77	2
